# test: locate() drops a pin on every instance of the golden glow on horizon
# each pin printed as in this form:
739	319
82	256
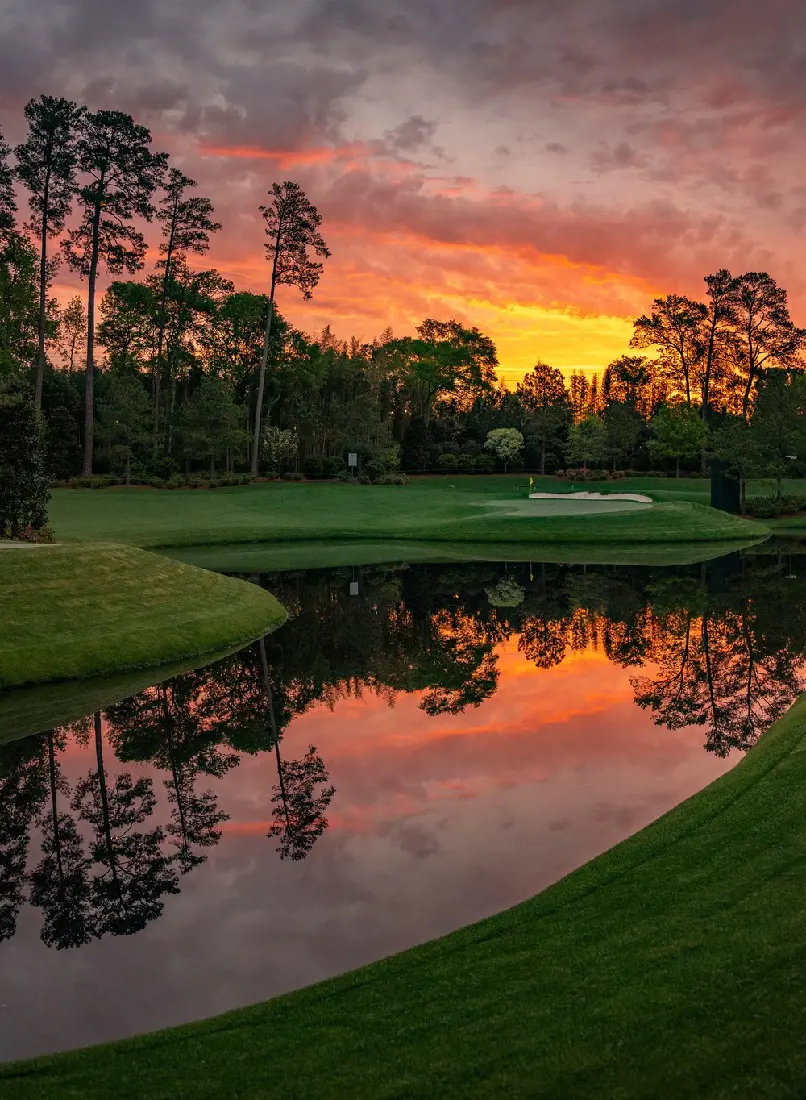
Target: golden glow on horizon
533	304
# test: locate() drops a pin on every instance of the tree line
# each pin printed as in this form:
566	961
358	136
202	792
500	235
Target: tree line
179	371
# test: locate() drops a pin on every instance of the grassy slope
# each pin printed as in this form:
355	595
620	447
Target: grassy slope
429	509
671	966
264	557
78	611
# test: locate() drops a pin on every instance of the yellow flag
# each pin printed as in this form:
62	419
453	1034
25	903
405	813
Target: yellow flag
531	482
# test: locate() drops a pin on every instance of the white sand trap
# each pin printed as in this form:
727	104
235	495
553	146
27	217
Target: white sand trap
637	497
571	504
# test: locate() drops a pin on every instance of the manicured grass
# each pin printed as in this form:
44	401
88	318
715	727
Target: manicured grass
671	966
428	509
88	611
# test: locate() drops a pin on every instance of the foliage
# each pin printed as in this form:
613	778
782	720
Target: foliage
24	492
505	443
678	432
280	447
587	441
124	417
46	165
211	425
546	407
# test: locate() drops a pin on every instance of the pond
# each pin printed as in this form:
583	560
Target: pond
416	748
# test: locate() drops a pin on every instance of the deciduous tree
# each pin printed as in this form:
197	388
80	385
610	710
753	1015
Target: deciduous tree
505	443
678	432
587	442
124	416
546	406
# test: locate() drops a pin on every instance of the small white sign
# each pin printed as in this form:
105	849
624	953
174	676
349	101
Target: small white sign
352	459
353	588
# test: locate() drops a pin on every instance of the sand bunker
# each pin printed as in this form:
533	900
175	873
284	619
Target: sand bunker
637	497
546	505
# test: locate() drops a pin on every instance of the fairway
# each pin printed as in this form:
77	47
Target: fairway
428	509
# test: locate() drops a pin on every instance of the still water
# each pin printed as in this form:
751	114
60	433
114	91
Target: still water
417	748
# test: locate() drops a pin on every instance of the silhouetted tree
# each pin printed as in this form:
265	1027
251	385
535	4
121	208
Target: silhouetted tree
120	174
8	202
187	222
546	406
46	164
292	229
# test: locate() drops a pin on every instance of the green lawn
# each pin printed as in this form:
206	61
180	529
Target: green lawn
671	966
428	509
267	557
88	611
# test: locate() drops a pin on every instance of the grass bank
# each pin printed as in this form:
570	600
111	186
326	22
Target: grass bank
71	612
267	557
672	965
428	509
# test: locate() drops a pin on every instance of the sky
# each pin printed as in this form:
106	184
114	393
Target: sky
539	169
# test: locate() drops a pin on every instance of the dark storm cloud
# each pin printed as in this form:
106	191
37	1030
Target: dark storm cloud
277	69
220	69
682	110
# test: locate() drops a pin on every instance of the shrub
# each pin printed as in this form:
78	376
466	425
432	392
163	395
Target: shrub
314	466
165	468
392	479
374	469
35	534
333	467
485	463
448	462
769	507
93	481
578	474
293	475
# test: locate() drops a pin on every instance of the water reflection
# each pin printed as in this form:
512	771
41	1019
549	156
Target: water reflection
104	820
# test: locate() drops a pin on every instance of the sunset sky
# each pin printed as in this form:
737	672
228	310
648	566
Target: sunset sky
539	168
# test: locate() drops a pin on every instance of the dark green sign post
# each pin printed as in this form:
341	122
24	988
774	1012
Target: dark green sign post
725	489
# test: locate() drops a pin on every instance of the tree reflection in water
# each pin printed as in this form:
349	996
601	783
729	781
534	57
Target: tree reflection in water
718	646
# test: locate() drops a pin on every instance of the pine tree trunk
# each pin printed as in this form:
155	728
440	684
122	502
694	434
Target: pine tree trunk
43	289
89	385
677	469
161	342
261	386
543	457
